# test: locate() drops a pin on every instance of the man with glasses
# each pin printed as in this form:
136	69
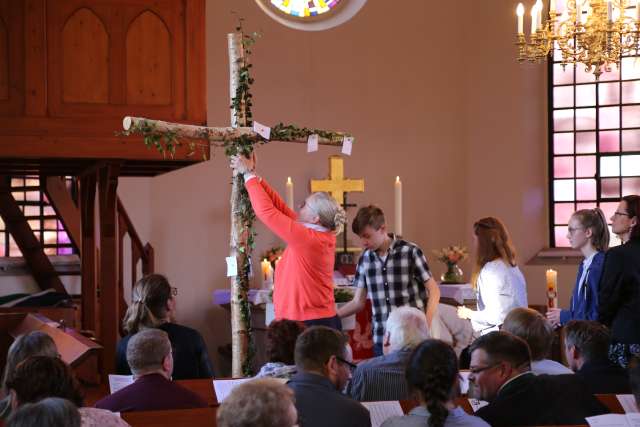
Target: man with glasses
323	359
500	374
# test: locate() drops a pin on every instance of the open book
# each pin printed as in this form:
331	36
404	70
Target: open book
224	387
615	420
381	411
117	382
628	403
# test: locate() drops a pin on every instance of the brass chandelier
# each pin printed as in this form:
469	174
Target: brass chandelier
595	33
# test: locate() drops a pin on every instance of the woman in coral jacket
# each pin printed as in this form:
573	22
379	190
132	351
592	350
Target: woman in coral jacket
303	288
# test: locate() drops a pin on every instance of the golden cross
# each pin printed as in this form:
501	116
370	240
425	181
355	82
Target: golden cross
336	184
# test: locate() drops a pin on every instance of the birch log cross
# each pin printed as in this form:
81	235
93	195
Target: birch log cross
239	138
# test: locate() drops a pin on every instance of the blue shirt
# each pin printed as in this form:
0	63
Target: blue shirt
381	378
419	416
584	305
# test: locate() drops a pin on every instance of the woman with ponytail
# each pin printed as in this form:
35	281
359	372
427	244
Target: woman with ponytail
499	283
303	288
153	305
432	375
587	232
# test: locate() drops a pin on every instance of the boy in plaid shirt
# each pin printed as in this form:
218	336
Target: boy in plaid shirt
391	272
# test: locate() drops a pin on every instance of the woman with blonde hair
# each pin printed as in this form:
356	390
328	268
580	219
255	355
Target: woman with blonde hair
499	283
153	305
587	232
303	288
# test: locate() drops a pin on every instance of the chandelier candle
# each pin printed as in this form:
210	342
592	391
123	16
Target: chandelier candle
520	13
398	206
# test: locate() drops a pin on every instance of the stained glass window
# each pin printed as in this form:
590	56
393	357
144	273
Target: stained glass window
40	216
305	8
594	151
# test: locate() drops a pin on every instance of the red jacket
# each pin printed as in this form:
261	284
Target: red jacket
303	287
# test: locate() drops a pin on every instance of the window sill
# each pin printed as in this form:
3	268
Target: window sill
549	256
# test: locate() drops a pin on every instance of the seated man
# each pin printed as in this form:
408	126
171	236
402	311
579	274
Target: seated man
323	358
586	348
150	359
264	402
532	327
500	374
382	378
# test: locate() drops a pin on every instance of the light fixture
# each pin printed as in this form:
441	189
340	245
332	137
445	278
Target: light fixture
595	33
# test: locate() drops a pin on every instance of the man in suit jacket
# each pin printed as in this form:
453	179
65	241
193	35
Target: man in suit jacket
151	361
500	374
619	297
323	358
586	347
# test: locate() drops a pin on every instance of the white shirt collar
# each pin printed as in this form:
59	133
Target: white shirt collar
587	261
316	227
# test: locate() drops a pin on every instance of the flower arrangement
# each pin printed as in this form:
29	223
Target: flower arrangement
451	254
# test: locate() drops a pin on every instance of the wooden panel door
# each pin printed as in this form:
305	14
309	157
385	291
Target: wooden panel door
117	57
11	57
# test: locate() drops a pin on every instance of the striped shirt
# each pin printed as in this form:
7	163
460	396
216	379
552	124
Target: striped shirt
395	280
381	378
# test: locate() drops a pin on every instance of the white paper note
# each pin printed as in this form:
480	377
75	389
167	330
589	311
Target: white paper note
232	266
464	382
262	130
117	382
627	402
608	420
312	143
477	404
381	411
224	387
347	145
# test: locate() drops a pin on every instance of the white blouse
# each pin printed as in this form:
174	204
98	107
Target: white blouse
500	289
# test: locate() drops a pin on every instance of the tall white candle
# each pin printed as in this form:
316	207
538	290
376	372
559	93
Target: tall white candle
534	15
637	10
539	17
552	5
398	206
289	193
609	11
520	13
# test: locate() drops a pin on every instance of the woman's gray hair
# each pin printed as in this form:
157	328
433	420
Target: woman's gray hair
407	327
49	412
329	211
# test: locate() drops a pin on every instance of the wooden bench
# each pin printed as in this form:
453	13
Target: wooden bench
202	417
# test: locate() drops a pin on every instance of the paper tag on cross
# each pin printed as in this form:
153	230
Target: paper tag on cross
347	145
232	266
312	143
262	130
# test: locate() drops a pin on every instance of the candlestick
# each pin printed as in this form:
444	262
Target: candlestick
289	193
398	206
552	288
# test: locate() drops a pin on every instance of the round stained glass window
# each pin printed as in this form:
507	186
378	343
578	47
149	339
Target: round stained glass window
305	8
311	15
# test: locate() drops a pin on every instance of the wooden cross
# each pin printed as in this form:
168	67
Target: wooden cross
241	138
337	185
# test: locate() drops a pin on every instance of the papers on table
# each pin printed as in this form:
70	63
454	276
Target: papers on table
381	411
615	420
628	403
224	387
477	404
116	382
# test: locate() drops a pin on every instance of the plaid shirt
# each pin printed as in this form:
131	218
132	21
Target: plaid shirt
396	281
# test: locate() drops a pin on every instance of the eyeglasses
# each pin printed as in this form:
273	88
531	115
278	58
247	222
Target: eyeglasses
616	213
573	230
351	366
476	371
174	292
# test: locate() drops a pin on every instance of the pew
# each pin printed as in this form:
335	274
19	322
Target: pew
201	417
